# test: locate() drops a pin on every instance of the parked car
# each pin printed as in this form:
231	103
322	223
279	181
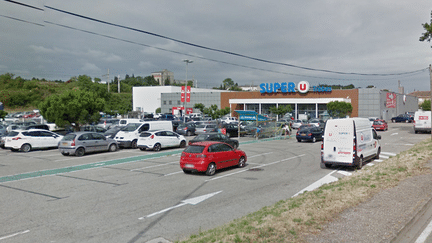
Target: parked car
37	126
402	118
157	140
296	124
232	130
92	128
215	137
80	143
317	122
309	134
27	140
379	125
211	156
228	119
204	128
110	133
186	129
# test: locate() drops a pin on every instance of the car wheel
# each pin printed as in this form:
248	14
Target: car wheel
65	154
328	165
188	133
415	132
211	169
134	144
79	152
182	144
113	148
378	153
299	140
142	149
25	148
313	140
242	162
393	121
157	147
360	164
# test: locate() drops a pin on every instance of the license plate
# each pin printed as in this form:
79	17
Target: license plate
189	165
303	134
64	143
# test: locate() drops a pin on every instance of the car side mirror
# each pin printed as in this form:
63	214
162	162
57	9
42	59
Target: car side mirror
378	137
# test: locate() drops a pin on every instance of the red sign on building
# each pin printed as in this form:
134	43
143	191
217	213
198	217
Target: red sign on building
188	93
391	100
182	96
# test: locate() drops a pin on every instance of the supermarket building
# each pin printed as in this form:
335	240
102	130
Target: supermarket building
304	99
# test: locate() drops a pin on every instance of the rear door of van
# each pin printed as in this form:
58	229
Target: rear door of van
338	142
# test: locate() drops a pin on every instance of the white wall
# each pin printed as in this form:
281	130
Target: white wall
148	98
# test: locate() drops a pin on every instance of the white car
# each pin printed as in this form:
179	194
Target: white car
157	140
296	124
26	140
229	120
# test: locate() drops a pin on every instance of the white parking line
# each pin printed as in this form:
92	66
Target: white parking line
12	235
219	177
325	180
388	153
152	166
174	173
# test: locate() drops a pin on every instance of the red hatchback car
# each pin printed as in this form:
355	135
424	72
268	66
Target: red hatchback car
210	156
380	125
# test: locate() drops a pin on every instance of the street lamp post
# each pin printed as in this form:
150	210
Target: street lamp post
184	103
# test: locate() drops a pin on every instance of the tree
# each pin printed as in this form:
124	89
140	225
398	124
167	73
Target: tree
2	114
73	108
213	111
426	105
427	36
280	110
338	109
199	106
158	110
228	83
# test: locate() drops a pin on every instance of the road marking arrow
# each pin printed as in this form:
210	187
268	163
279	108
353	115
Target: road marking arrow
192	201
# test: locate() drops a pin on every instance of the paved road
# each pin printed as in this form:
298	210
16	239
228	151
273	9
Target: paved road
137	196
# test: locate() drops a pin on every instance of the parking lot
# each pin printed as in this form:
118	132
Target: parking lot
136	196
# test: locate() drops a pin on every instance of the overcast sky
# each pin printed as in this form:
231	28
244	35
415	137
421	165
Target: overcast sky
269	41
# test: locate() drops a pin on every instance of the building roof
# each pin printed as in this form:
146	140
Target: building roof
420	93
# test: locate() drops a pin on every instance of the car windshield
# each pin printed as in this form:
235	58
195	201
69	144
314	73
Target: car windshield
12	134
131	127
69	137
200	126
195	149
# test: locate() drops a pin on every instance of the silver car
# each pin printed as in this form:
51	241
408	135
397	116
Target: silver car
79	143
204	128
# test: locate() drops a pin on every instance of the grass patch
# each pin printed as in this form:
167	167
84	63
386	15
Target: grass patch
292	219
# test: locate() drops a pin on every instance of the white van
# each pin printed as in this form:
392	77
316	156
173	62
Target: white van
349	142
422	121
127	137
125	121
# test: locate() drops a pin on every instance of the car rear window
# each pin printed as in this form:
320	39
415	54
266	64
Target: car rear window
145	134
194	149
69	137
304	129
12	134
200	126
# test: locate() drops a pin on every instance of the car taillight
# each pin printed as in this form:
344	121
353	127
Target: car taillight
73	143
185	128
152	136
309	134
297	133
200	156
17	138
190	143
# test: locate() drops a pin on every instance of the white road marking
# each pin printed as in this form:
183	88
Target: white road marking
219	177
192	201
388	153
174	173
394	134
13	235
345	173
152	166
325	180
424	235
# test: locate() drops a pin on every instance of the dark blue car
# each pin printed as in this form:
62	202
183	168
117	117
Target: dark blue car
309	133
403	118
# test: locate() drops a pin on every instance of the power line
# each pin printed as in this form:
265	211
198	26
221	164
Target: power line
218	50
209	59
25	5
21	20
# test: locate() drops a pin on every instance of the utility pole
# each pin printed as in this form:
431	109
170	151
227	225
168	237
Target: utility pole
184	104
107	76
118	83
